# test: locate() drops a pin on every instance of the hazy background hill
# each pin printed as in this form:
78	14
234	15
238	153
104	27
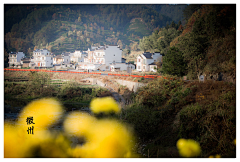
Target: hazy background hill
65	28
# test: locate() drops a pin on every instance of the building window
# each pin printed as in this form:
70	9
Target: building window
139	60
139	67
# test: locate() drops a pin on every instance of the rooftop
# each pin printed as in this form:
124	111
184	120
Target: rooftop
148	55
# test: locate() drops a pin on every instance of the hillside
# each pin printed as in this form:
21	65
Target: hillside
64	28
206	44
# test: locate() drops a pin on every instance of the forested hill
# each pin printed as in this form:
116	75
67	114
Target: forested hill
205	45
64	28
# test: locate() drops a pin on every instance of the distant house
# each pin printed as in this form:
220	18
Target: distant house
123	60
121	66
147	61
66	58
88	66
76	56
113	54
42	58
15	58
58	59
101	57
26	62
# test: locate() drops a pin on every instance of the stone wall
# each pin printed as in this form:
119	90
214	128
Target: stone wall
132	86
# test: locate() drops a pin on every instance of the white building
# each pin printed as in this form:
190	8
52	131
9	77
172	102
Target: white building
88	66
15	58
58	59
103	56
121	66
66	58
146	61
76	56
113	54
42	58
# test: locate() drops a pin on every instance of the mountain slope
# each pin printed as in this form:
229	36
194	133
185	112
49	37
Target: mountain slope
63	28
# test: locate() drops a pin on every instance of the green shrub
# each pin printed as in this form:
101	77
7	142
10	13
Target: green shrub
143	120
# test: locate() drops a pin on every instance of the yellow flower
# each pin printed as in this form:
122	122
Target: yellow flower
188	148
15	143
44	111
105	104
104	138
109	139
78	123
56	147
181	142
17	140
216	156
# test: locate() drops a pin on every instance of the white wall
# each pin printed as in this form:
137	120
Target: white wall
122	66
20	55
112	53
139	63
66	59
48	61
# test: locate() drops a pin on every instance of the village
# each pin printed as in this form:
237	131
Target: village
102	58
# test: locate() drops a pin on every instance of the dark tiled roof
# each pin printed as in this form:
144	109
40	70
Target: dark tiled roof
58	57
148	55
153	63
25	59
100	48
66	54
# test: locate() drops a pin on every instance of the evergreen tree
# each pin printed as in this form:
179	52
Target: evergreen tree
172	25
173	62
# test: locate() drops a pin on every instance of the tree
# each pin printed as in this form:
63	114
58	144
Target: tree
145	44
194	48
173	62
172	25
190	9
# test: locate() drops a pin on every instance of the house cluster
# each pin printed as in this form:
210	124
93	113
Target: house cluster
103	58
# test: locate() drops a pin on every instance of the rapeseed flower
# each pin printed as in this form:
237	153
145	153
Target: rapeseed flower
188	148
105	104
17	140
